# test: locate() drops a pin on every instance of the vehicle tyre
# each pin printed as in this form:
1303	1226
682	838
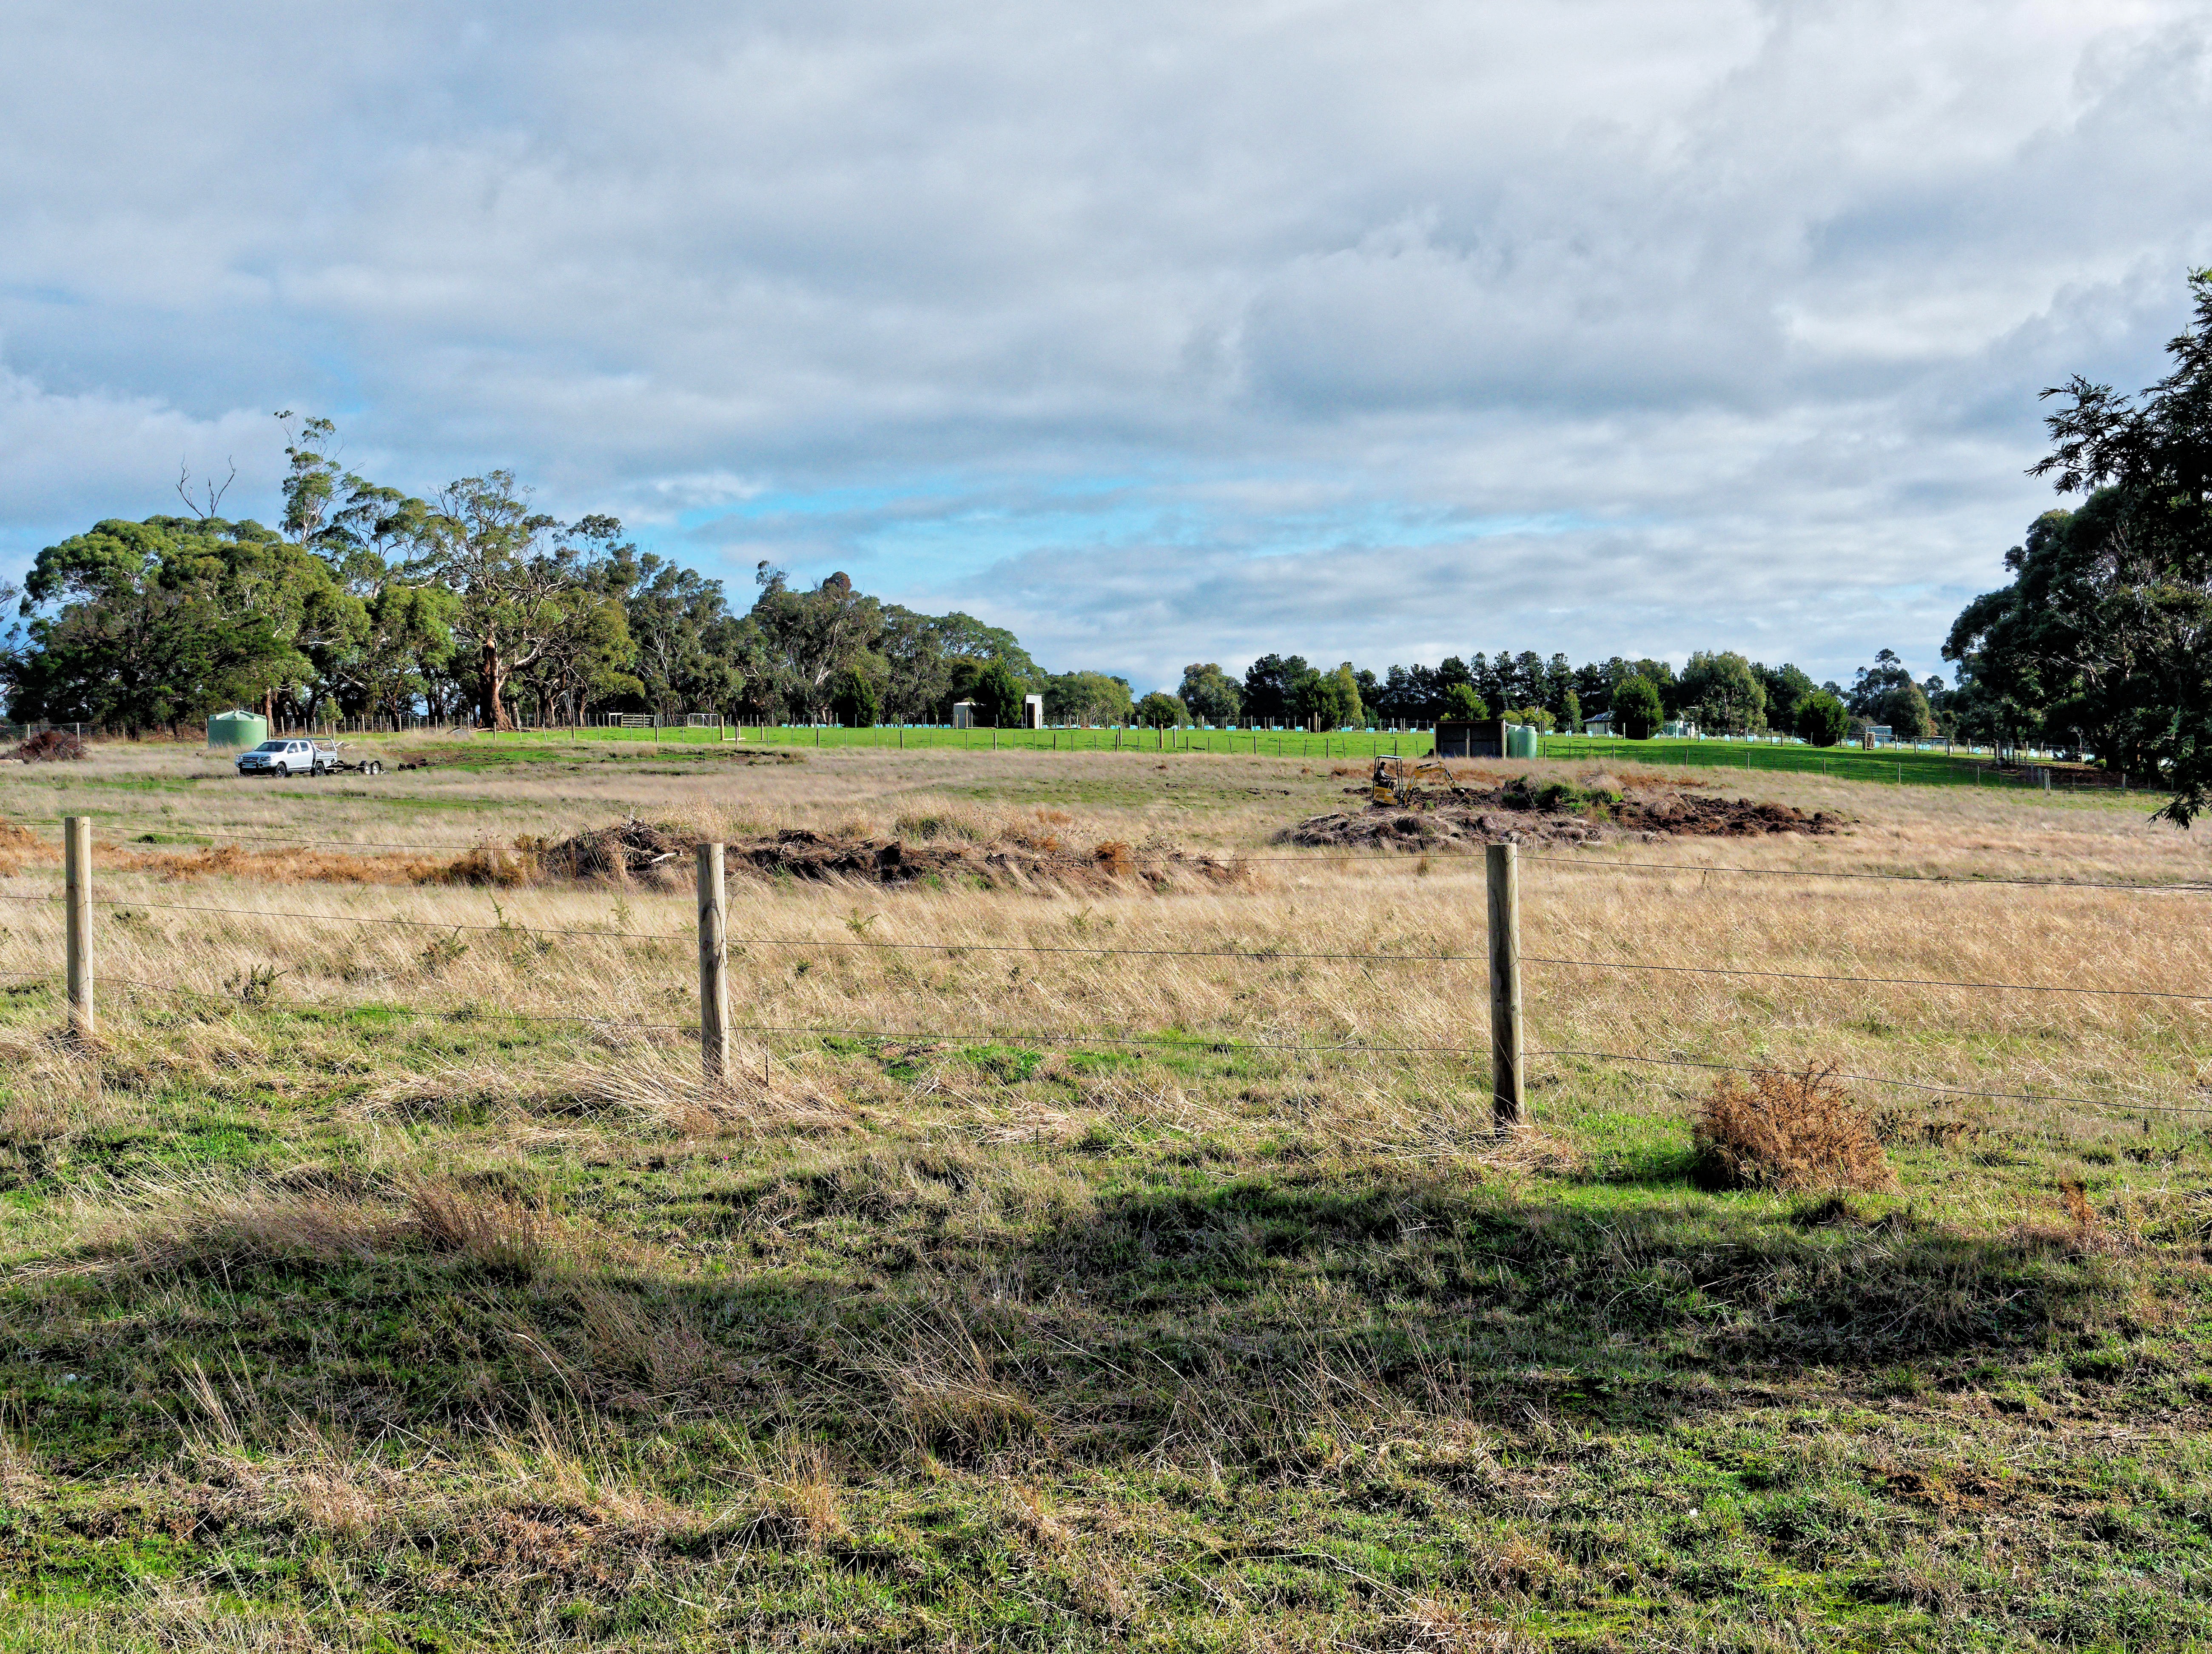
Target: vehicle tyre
283	769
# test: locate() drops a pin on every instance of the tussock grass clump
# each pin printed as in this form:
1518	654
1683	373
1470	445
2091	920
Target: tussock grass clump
503	1237
943	1395
1786	1131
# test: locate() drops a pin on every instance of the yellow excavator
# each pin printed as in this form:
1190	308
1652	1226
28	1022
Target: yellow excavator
1395	778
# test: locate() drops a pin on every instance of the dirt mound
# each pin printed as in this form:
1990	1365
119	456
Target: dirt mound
799	853
50	747
659	857
1555	812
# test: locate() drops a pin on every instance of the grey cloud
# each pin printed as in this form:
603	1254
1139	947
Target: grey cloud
1743	306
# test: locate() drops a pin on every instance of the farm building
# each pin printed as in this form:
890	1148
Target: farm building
1483	738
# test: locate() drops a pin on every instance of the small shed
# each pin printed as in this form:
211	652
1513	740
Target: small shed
1601	724
1481	738
963	716
1032	712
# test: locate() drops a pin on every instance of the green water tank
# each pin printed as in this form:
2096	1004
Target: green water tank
236	731
1523	741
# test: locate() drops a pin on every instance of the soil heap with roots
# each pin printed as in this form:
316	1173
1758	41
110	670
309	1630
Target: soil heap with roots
1521	810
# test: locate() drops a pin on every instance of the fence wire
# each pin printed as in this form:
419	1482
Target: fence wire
1190	1043
1200	1042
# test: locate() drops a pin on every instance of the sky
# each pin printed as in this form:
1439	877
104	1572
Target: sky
1158	333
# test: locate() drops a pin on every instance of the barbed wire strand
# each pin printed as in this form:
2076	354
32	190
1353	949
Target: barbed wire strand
1190	1043
1590	863
1256	957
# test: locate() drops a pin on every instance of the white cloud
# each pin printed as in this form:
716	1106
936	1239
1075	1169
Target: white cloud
1157	332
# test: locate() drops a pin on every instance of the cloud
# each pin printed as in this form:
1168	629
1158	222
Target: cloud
1158	333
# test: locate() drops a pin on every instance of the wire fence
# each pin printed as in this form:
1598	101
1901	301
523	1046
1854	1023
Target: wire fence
1502	958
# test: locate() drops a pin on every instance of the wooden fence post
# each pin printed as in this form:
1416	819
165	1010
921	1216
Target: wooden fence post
1507	1101
713	967
77	856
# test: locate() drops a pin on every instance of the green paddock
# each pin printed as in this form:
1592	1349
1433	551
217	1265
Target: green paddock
1894	766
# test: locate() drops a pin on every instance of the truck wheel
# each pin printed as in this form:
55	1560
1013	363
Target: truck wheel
284	770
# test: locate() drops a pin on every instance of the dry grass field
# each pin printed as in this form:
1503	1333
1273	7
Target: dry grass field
1103	1260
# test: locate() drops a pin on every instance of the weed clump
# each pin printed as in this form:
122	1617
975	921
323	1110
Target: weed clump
1790	1132
1558	797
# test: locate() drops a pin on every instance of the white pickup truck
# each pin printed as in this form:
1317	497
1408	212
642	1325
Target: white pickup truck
295	755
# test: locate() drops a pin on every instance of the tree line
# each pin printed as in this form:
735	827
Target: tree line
1720	691
368	602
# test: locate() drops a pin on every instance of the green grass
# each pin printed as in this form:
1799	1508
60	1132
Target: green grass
1073	1368
1887	765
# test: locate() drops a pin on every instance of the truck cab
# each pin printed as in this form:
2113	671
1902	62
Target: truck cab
284	756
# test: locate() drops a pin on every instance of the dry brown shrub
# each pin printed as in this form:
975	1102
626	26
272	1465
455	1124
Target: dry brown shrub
503	867
1115	859
1786	1131
2077	1201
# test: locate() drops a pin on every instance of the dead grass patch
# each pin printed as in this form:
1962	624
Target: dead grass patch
196	1228
1788	1132
665	1091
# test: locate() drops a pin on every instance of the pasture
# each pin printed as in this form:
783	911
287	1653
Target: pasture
1101	1246
1896	766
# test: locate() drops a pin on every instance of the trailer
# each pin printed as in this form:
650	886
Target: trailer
330	760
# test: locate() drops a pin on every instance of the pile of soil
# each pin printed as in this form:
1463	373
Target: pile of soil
1557	813
800	852
50	747
652	857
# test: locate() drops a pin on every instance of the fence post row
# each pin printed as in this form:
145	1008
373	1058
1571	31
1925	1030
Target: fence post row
713	967
76	862
1507	1100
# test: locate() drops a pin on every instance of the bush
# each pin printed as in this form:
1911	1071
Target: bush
1822	719
1788	1132
998	697
1636	708
1160	710
855	703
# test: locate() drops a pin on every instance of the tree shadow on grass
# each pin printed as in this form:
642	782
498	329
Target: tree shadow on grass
952	1300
